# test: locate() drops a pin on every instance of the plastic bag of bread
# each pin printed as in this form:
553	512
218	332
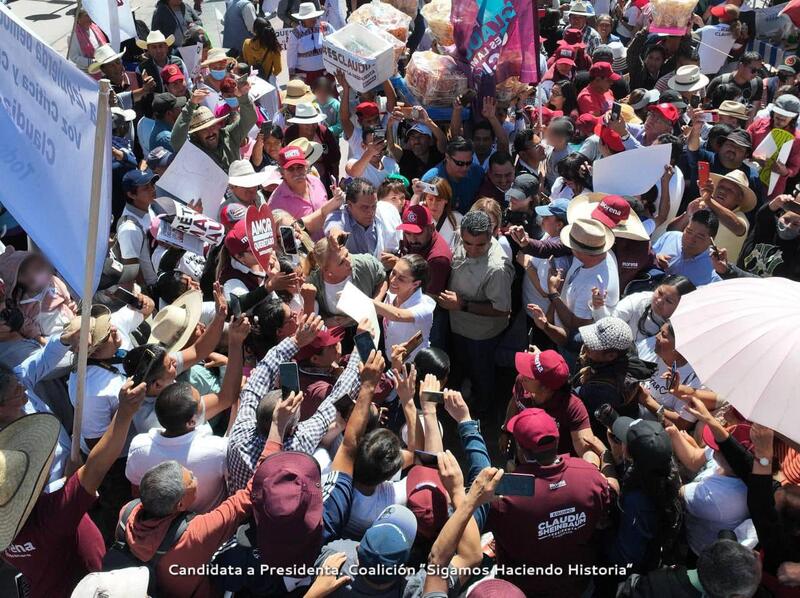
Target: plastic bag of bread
509	89
398	47
671	16
437	15
407	6
384	16
435	79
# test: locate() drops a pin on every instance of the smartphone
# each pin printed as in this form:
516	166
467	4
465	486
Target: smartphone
426	459
792	206
600	284
430	189
432	396
290	378
344	405
379	135
364	345
673	371
235	306
694	101
616	110
406	110
703	171
266	127
515	484
288	241
414	342
128	298
146	364
714	249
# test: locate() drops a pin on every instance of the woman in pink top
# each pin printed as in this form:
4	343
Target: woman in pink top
303	195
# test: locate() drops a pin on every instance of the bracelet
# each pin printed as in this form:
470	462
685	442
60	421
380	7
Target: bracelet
553	296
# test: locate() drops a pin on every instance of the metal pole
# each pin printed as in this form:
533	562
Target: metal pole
98	166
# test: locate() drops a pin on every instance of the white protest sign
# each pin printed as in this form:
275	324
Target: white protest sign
770	21
198	225
191	58
283	37
372	63
614	174
47	129
259	88
192	176
768	148
358	306
715	45
101	14
169	235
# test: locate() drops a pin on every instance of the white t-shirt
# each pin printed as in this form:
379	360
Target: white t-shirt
579	282
133	243
202	453
422	306
332	295
375	175
541	267
656	386
100	402
365	509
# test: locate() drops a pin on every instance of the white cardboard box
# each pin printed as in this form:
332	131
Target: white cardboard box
363	72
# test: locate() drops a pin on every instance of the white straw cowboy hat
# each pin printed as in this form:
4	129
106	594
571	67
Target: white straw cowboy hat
174	324
311	149
297	91
688	78
155	37
103	55
99	326
217	55
307	10
26	452
202	118
740	180
581	8
242	174
130	582
582	206
587	236
307	114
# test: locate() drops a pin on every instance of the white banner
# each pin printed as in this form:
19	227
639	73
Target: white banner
47	129
100	11
614	174
192	176
715	44
770	21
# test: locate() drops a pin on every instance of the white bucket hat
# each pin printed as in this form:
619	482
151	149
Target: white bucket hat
155	37
217	55
581	8
174	324
307	114
688	78
130	582
307	10
103	55
242	174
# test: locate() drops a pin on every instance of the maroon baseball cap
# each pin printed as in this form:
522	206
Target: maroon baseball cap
587	123
573	37
610	138
612	210
171	73
666	110
231	213
534	430
287	509
548	367
367	110
236	239
740	432
324	338
565	55
495	588
291	155
415	220
604	70
427	499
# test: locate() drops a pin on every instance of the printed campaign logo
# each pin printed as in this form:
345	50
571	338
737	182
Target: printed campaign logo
560	523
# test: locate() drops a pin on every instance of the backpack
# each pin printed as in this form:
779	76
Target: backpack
728	78
119	556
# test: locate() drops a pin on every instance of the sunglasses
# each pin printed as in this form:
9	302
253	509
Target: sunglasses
461	163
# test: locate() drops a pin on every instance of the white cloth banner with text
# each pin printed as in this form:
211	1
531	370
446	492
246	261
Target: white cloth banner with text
615	175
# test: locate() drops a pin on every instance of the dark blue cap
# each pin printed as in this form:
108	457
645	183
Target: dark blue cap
135	178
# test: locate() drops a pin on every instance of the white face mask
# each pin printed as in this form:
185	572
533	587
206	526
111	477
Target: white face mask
787	233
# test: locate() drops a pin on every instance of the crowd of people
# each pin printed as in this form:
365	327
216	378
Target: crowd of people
523	423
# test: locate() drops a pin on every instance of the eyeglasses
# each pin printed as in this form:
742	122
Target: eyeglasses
461	163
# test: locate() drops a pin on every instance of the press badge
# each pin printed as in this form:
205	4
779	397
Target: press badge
557	485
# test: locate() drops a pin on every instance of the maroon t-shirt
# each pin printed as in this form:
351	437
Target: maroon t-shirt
632	257
439	257
553	527
569	412
59	544
489	189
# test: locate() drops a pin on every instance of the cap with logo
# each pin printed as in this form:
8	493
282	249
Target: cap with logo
610	138
534	430
291	156
547	367
136	178
172	73
236	239
565	55
666	110
415	220
612	210
159	156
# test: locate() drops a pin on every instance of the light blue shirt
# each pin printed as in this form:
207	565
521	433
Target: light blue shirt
698	269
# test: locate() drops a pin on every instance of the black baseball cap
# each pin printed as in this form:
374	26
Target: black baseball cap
648	443
524	186
741	138
162	102
670	96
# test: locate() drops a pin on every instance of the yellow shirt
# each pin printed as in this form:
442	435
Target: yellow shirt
267	62
725	239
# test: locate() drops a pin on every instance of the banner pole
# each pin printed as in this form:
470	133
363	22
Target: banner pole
98	166
78	8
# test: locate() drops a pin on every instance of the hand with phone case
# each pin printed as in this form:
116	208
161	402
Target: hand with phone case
289	377
516	484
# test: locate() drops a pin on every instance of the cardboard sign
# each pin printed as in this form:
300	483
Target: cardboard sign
260	233
170	236
197	225
365	70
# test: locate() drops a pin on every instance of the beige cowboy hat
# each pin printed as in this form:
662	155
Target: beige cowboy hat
587	236
311	149
297	91
740	180
307	10
155	37
583	206
307	114
733	109
202	118
242	174
26	452
217	55
174	324
629	115
688	78
103	55
99	326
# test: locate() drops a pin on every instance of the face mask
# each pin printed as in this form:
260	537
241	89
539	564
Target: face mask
218	75
232	102
786	233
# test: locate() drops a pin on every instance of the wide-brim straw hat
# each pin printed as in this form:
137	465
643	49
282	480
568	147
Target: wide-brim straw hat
739	178
217	55
688	78
311	149
174	325
202	118
103	55
582	206
242	174
587	236
297	92
155	37
99	326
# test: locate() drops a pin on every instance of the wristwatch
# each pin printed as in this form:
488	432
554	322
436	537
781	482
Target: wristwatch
764	462
552	296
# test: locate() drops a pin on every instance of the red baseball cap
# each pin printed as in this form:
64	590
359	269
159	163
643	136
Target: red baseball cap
548	367
534	430
291	155
547	114
231	213
415	220
666	110
612	210
427	499
610	138
587	123
740	432
573	37
603	70
565	55
367	110
171	73
725	12
325	338
236	239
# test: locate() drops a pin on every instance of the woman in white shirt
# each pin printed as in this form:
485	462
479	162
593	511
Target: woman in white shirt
407	309
645	312
440	206
304	46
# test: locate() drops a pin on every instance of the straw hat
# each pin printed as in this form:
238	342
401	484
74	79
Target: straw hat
311	149
217	55
307	10
174	324
733	109
242	174
587	236
583	207
26	452
103	55
99	326
155	37
581	8
740	180
307	114
202	118
688	78
297	91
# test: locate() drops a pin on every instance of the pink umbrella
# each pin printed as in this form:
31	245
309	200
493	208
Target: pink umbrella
741	337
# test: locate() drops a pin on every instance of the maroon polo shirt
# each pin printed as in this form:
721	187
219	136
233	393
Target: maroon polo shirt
489	189
439	257
553	527
633	257
569	412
